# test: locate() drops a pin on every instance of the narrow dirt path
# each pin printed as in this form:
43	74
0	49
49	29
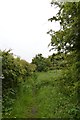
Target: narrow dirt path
34	109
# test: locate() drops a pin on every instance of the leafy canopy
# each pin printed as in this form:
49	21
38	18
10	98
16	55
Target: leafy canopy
67	38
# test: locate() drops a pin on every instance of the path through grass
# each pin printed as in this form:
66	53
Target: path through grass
40	97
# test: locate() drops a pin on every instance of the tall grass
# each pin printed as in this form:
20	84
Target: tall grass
40	97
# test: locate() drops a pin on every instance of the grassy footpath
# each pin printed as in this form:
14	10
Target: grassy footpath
40	97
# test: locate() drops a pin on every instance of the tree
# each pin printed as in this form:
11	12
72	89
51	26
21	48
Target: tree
40	62
67	40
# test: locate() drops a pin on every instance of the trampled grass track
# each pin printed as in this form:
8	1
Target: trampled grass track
40	97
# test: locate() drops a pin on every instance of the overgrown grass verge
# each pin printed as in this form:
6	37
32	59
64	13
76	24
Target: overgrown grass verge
40	97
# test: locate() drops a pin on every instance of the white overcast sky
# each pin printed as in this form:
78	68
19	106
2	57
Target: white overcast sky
23	27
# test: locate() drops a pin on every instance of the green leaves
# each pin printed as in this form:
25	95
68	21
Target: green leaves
67	40
15	70
67	16
41	63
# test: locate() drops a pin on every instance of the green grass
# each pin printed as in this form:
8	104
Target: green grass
0	108
40	97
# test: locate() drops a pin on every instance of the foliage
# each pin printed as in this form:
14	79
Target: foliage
0	63
42	64
67	40
38	91
14	70
40	97
58	61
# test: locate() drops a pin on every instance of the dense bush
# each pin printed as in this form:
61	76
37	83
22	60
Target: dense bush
67	40
14	70
42	64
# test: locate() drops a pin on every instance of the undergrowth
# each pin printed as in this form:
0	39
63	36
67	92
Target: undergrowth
41	96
